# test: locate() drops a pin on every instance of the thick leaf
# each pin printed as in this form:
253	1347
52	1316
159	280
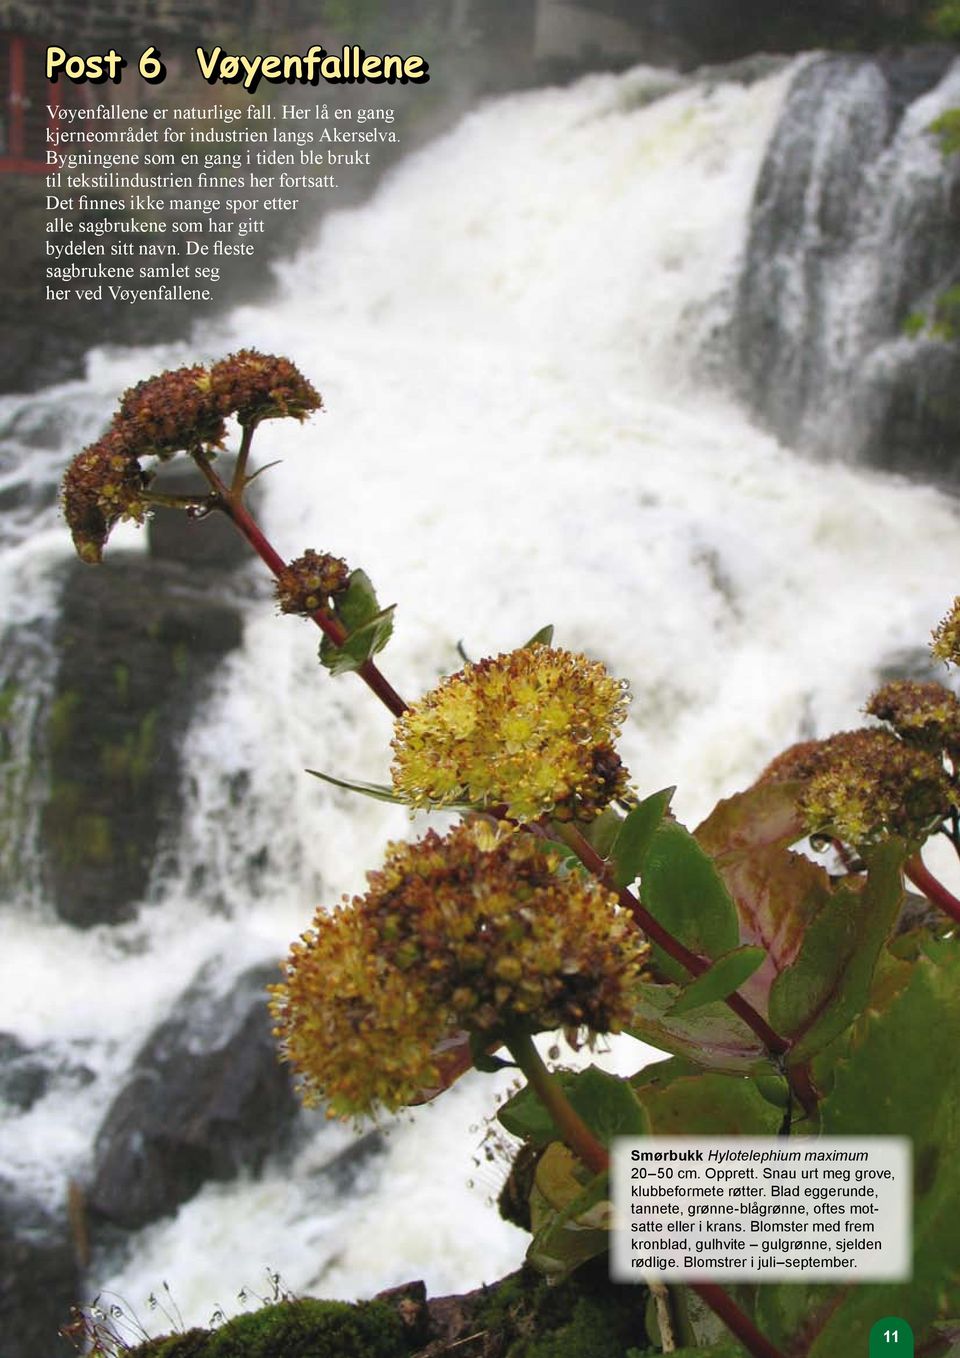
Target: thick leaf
902	1079
570	1219
828	985
542	638
360	646
778	895
606	1103
683	1101
563	851
683	890
524	1115
379	792
368	627
633	840
713	1037
758	818
726	975
358	604
602	832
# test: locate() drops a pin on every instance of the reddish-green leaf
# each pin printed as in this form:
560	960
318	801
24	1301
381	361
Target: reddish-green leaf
828	984
712	1037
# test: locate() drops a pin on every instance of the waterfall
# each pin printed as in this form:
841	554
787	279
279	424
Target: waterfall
855	231
516	340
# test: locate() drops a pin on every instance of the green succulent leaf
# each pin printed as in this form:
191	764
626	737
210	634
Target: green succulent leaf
712	1037
358	603
379	792
602	832
828	985
898	1078
360	646
542	638
681	1100
606	1103
683	890
726	975
635	835
368	626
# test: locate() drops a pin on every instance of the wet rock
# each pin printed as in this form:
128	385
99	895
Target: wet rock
28	1074
211	541
207	1099
23	1079
137	641
39	1278
854	235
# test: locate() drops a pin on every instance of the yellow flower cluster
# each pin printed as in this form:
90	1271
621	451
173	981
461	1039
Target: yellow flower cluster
450	936
865	785
531	732
946	636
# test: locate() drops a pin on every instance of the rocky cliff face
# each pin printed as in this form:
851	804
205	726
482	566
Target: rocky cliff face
855	233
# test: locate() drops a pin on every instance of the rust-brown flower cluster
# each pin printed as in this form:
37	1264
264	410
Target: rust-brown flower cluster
451	935
166	414
310	581
925	714
102	485
532	731
181	410
255	387
864	785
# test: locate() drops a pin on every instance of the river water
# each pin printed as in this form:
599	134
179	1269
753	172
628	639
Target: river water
516	340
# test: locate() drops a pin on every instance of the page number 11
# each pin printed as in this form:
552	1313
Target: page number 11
891	1337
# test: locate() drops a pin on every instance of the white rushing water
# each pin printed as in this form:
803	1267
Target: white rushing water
508	341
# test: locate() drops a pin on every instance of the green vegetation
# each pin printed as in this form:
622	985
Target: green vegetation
945	20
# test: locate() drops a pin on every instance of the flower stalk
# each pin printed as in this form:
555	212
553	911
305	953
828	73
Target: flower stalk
230	501
923	879
575	1132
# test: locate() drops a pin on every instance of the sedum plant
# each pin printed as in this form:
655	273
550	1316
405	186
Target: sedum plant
791	989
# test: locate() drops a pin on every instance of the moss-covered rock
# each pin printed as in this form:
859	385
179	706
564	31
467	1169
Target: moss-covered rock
303	1328
521	1316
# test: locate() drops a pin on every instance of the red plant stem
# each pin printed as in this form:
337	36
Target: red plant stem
652	927
232	505
736	1321
922	878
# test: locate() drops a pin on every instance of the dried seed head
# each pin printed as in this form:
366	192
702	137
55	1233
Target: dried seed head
255	387
103	485
924	714
866	784
309	582
176	410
